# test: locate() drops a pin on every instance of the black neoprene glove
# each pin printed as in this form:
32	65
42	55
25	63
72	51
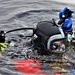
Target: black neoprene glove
61	21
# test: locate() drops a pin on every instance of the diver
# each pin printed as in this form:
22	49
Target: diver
65	21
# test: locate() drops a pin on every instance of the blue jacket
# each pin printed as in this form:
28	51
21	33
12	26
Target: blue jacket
67	25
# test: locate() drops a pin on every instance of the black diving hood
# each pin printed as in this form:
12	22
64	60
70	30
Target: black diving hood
47	33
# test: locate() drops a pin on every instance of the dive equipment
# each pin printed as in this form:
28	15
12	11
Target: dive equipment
3	45
44	36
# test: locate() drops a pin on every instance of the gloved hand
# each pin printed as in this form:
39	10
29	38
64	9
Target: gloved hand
61	21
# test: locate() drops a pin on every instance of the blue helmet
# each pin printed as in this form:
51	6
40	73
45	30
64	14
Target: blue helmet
65	13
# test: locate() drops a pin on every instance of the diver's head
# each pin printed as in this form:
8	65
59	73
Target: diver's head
66	12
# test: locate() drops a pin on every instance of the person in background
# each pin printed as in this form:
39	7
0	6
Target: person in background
65	23
65	16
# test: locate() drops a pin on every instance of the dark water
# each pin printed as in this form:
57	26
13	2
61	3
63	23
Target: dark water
22	13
